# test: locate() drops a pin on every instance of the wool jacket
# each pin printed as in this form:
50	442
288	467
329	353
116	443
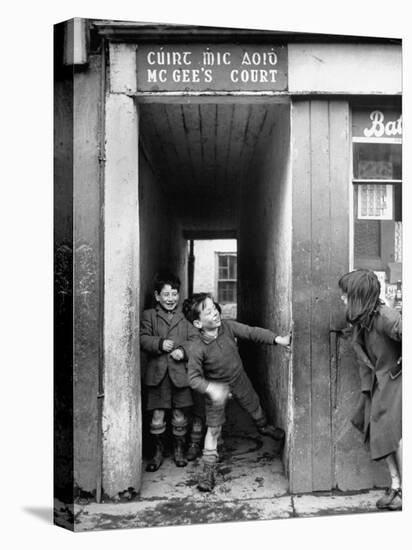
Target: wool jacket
378	347
155	327
219	360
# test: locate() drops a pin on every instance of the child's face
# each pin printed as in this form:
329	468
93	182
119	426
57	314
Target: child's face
168	297
209	316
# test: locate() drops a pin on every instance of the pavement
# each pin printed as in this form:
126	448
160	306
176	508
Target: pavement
250	485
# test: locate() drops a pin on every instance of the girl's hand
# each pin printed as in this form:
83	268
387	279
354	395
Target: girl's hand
177	354
218	392
168	345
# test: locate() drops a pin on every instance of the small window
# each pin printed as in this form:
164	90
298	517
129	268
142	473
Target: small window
377	198
227	278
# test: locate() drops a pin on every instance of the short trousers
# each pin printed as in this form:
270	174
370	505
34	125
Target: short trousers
244	393
167	396
198	405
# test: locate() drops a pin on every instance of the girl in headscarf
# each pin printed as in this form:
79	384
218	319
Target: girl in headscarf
377	341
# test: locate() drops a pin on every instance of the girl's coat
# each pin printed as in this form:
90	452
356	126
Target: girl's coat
379	348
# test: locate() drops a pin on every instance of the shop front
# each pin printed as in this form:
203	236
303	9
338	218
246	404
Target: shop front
292	145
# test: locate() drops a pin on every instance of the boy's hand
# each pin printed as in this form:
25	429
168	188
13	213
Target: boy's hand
284	341
218	392
168	345
177	354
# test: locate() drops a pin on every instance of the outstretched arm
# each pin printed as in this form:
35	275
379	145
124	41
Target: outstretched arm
259	335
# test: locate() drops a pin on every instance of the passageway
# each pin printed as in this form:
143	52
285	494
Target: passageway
221	170
249	477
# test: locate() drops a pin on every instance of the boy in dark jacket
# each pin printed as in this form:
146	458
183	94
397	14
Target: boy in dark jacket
165	336
215	369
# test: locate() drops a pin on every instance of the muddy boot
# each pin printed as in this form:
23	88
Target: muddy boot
206	480
196	437
179	451
193	451
275	433
396	503
221	449
391	500
157	459
195	445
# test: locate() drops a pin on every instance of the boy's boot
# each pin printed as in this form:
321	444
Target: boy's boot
196	434
207	477
179	425
157	458
275	433
206	480
179	451
264	428
221	449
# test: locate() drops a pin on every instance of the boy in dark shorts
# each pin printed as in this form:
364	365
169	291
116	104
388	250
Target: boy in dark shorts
215	369
165	336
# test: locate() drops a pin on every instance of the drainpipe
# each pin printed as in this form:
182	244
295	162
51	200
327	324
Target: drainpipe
100	391
191	267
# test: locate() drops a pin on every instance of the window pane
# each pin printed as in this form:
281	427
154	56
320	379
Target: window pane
223	273
375	202
223	260
377	161
227	267
366	233
227	291
232	267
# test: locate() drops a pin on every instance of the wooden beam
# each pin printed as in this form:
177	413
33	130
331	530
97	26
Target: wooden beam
300	461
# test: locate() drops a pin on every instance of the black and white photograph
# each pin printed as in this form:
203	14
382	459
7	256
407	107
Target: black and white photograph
228	274
226	278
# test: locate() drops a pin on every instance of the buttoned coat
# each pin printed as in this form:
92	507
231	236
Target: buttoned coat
155	326
379	349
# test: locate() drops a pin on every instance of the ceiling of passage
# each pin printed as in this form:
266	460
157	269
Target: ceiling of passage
201	151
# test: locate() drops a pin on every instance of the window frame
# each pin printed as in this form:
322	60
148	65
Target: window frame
377	263
218	255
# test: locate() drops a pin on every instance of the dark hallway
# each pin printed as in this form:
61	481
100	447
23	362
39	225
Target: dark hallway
203	170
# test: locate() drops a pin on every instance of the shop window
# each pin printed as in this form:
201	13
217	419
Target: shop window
226	278
377	198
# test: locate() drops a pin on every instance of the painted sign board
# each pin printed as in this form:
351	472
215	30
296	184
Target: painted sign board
377	123
211	68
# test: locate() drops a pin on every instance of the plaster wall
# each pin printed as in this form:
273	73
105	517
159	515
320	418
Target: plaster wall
87	274
161	240
264	266
205	277
63	277
77	275
345	68
206	269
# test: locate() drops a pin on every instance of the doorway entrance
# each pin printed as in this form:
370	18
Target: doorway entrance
213	171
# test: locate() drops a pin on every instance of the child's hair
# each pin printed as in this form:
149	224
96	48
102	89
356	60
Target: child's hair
195	304
363	289
163	278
